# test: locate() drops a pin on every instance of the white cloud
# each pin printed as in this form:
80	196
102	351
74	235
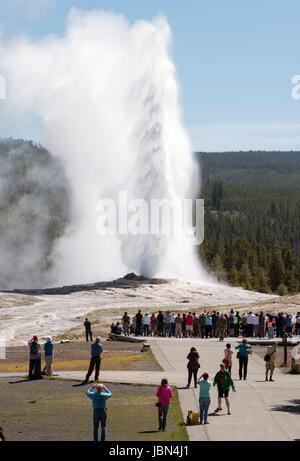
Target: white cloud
252	135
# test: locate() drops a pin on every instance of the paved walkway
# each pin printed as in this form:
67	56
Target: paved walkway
260	410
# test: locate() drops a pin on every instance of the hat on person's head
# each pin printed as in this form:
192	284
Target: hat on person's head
35	337
49	338
222	364
98	338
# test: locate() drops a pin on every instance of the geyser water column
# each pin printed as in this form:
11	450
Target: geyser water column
108	99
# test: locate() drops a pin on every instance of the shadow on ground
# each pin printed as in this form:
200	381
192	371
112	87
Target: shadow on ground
292	407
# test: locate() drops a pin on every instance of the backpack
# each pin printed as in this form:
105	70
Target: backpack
267	358
34	348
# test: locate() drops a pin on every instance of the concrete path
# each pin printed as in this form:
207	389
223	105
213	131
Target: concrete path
260	410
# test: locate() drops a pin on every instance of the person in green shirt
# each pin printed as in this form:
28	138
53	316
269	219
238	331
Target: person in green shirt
223	381
204	397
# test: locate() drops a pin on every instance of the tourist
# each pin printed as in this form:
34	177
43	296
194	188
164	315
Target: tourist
270	326
204	398
214	319
184	333
189	324
48	348
99	394
223	381
172	324
288	325
146	325
34	358
88	329
228	352
255	325
202	325
208	326
237	321
152	325
164	394
297	324
178	327
231	324
167	324
95	362
126	324
243	351
244	325
160	324
261	325
139	324
250	323
222	324
270	359
279	323
119	329
193	366
195	326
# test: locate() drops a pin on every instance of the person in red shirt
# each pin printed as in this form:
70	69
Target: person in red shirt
164	394
189	324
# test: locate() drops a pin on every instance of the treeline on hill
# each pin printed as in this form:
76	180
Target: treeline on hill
252	232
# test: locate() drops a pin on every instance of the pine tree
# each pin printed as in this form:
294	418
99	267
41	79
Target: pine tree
276	268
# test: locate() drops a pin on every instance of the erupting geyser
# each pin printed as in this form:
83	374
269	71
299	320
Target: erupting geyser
107	97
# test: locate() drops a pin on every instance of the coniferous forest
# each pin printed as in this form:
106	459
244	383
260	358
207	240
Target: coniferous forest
252	219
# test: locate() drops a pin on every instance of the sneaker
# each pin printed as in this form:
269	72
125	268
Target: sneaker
228	412
218	409
266	379
200	422
271	379
206	422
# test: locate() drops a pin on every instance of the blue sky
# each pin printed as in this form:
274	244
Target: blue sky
235	61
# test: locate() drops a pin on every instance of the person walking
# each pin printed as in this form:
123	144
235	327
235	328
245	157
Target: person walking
193	366
270	359
228	352
49	354
164	394
243	352
223	381
126	324
34	358
178	327
99	394
95	362
88	330
204	398
222	325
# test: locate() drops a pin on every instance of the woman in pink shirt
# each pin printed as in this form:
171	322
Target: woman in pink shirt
164	394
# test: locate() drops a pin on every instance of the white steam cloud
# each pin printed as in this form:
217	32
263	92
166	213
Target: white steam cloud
107	96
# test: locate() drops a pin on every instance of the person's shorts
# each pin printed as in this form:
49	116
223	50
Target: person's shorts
288	329
222	393
270	366
189	328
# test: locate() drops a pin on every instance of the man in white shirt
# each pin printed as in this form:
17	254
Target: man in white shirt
146	324
250	323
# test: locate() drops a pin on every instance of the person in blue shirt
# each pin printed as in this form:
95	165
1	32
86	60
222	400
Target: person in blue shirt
99	394
244	350
208	326
96	352
204	397
48	348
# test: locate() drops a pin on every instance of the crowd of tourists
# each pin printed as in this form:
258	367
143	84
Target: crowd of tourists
209	325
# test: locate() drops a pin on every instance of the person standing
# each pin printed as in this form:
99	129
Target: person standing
270	359
202	325
34	358
228	352
167	324
126	324
48	348
160	324
222	325
214	318
244	325
184	333
243	350
99	394
172	325
95	362
152	325
298	324
270	326
204	398
261	325
255	325
237	321
146	324
139	324
164	394
195	326
178	328
189	324
193	366
250	323
88	330
223	381
208	326
288	325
